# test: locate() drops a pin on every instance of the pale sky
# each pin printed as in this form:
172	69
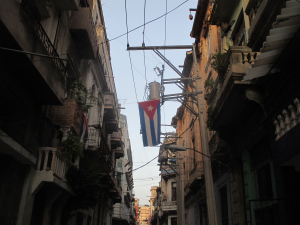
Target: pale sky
178	28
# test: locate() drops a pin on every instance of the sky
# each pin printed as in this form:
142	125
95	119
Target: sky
131	84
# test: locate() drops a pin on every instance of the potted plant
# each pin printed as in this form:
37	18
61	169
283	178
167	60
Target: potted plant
77	91
71	147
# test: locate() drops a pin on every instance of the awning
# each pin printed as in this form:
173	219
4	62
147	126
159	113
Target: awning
285	29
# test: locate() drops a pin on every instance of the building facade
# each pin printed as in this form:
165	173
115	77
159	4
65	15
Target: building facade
66	71
144	215
247	56
123	212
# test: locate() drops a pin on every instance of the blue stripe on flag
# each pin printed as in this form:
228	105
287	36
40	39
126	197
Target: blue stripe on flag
153	136
142	118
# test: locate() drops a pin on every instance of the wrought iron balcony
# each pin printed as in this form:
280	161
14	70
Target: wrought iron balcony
100	151
83	31
228	91
41	33
93	138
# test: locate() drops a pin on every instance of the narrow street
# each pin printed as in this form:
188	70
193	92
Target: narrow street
126	112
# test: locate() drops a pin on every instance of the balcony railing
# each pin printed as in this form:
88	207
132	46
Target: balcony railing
169	206
237	61
41	33
286	120
93	138
51	160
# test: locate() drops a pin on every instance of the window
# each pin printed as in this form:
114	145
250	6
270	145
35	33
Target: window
224	205
173	191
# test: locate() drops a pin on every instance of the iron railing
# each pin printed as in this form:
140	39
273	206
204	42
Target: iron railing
41	33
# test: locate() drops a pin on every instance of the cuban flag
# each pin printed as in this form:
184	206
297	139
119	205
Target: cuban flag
150	122
84	132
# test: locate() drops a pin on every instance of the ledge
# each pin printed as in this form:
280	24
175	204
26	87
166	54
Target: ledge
10	147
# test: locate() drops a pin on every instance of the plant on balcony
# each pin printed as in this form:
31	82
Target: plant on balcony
72	147
86	182
209	120
76	90
219	65
208	85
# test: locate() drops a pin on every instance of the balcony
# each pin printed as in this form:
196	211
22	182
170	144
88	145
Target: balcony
119	152
223	11
93	139
216	143
68	115
110	107
169	206
66	5
111	114
116	140
196	176
115	192
51	167
228	95
83	31
100	151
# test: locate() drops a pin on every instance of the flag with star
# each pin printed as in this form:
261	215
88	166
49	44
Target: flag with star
150	122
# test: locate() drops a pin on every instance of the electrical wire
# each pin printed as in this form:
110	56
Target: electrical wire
129	52
165	150
143	24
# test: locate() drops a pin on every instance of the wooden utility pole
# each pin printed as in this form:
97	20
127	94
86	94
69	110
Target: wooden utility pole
209	187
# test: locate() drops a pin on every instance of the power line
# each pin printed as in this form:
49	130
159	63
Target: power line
144	24
193	121
129	52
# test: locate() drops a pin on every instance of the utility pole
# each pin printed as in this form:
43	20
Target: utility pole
209	188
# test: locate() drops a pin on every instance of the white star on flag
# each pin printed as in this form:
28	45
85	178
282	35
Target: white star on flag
150	108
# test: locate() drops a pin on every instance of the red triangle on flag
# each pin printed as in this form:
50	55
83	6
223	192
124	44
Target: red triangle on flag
150	107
